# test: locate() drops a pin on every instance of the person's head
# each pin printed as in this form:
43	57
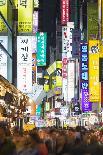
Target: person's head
34	138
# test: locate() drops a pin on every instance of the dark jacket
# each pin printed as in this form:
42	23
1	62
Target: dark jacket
7	148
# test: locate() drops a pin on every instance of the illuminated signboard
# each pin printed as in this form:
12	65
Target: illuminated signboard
86	105
65	11
24	64
25	16
41	48
94	86
71	79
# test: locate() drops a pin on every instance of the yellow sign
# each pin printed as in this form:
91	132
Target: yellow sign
94	87
58	73
16	3
25	15
3	10
46	83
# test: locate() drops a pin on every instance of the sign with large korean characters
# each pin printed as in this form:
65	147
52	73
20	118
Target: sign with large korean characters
24	64
3	56
25	16
41	48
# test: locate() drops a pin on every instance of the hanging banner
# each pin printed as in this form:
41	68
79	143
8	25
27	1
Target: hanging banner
24	64
76	39
3	10
94	87
35	22
65	11
71	79
64	39
58	73
46	83
3	56
41	48
70	27
92	15
101	69
64	75
33	68
86	105
102	94
25	15
34	44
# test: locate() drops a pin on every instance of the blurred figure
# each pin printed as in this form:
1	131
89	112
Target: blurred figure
7	147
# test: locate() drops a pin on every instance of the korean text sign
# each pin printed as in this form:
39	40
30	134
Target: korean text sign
86	105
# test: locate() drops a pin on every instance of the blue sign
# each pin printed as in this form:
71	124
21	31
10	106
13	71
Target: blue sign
86	105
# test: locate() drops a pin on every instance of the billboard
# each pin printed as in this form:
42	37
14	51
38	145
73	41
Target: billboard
3	10
41	48
65	11
25	15
24	64
70	79
94	87
84	79
3	56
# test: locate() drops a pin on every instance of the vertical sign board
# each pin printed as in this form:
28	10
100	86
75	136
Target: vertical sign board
92	15
64	62
94	87
58	73
101	69
102	18
85	104
34	51
3	56
25	15
46	83
3	10
33	68
70	27
65	11
41	48
71	79
64	39
76	38
24	64
35	22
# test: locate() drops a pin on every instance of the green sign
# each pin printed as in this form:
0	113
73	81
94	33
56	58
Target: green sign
41	48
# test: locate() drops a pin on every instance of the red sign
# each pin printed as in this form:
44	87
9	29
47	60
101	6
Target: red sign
64	68
65	11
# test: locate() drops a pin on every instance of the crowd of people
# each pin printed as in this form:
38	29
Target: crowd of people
51	141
